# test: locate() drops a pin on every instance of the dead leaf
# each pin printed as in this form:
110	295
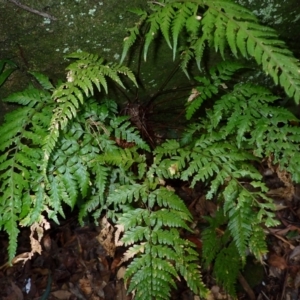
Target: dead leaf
17	293
194	94
120	230
62	294
295	254
277	261
121	273
106	237
85	286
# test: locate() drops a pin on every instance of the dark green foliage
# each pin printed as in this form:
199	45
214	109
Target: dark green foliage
68	145
87	73
224	26
160	254
6	68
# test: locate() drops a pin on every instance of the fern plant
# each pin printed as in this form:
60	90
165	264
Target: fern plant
160	254
224	26
26	191
69	145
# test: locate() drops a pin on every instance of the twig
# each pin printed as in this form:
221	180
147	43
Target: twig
246	287
155	2
265	295
25	7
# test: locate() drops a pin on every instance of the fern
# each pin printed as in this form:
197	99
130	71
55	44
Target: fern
87	72
133	32
159	253
20	161
228	265
6	68
63	147
225	25
256	122
72	176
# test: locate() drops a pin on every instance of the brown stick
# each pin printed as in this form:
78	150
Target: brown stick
34	11
246	287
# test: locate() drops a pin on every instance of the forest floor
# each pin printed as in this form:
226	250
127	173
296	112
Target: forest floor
84	263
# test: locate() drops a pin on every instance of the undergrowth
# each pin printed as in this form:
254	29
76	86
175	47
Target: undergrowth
67	145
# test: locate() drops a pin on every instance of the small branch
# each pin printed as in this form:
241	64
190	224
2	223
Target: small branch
32	10
246	287
158	3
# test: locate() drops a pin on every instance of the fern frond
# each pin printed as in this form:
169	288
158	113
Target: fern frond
203	92
133	32
43	80
223	24
241	216
227	267
257	242
5	71
167	13
11	227
224	19
213	241
179	21
156	243
87	72
20	161
153	19
254	122
123	130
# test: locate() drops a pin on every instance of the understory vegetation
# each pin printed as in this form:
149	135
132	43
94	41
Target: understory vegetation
72	144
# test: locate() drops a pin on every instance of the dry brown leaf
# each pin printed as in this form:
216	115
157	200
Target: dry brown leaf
132	252
62	294
85	286
120	230
277	261
106	237
17	293
194	94
295	254
297	281
288	191
121	291
121	273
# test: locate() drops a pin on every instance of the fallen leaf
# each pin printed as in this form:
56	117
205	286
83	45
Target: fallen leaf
277	261
62	294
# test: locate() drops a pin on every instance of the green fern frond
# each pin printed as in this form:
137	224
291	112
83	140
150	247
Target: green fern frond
203	92
179	21
246	36
29	97
167	13
257	242
223	24
227	267
123	130
6	68
43	80
212	240
253	121
219	74
87	72
241	216
153	19
159	254
11	227
20	161
120	157
133	32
